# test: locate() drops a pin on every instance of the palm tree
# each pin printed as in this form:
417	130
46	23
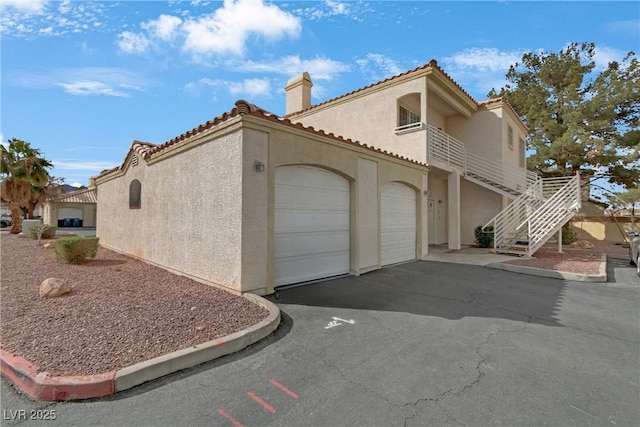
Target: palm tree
22	168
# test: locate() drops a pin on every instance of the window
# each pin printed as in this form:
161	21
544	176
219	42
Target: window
407	117
523	152
134	160
510	137
134	194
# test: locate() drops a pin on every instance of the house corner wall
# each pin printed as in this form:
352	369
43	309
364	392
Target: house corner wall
367	216
255	211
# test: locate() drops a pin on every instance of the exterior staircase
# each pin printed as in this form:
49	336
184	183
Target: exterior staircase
539	207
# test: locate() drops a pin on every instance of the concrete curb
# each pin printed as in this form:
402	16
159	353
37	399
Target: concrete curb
40	386
563	275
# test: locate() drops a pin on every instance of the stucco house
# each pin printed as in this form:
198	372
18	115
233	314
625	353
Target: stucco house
73	209
347	186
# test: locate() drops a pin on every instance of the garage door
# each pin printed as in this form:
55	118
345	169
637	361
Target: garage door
398	223
311	224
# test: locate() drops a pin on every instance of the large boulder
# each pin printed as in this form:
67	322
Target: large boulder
54	287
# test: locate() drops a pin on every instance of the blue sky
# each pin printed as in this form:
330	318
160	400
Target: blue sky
81	80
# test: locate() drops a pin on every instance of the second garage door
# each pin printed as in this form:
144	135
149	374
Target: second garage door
398	223
311	224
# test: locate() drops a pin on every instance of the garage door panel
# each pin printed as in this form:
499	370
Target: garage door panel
297	244
398	223
323	199
310	221
310	267
311	224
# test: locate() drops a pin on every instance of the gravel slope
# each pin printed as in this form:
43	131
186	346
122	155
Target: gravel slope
120	311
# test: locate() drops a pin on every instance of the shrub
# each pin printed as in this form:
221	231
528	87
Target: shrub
484	238
48	233
569	236
75	250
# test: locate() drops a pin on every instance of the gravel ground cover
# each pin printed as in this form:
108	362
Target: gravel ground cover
120	312
572	260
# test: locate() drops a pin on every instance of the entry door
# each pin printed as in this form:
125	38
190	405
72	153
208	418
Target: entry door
431	212
312	228
398	223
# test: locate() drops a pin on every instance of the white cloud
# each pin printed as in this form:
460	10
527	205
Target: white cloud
479	70
30	18
91	87
65	6
605	54
378	66
24	6
106	81
329	9
227	29
71	164
320	68
483	59
130	42
76	184
250	87
165	27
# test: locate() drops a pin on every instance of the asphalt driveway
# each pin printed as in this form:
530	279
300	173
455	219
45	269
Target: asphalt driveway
423	343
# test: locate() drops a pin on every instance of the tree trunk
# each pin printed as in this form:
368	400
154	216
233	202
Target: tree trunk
16	218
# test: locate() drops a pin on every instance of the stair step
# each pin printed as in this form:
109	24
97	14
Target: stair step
510	252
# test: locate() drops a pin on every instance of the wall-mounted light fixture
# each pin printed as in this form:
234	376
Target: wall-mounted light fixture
259	166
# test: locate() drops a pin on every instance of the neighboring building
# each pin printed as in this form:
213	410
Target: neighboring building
251	201
73	209
594	221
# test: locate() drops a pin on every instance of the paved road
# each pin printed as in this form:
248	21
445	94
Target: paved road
424	343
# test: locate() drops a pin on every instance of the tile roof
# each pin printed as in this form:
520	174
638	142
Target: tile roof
146	149
433	64
86	195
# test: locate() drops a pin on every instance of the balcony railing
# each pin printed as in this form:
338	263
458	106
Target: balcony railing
511	179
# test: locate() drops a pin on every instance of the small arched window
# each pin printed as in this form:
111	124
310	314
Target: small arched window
134	194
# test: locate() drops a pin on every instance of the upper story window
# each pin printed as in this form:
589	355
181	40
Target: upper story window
134	160
523	153
135	189
510	138
407	117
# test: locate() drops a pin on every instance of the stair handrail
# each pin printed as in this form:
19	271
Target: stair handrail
510	217
553	213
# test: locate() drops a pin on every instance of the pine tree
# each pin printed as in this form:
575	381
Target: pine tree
579	118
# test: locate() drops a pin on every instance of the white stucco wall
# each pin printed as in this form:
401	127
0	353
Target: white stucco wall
371	119
477	206
368	208
190	218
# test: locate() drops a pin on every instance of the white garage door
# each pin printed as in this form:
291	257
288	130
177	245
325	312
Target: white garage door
398	223
311	224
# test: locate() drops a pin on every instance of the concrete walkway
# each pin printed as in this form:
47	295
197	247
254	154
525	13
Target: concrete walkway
485	257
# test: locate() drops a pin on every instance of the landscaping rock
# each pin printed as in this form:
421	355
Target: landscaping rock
54	287
582	244
48	245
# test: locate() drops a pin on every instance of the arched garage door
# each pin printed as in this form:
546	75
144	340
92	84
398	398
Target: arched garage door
398	223
311	224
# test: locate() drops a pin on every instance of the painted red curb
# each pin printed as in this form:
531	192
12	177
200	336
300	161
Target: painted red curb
41	386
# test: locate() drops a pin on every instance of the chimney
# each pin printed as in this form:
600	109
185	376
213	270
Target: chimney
298	93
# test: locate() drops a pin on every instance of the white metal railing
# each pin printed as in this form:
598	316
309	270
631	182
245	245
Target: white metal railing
410	126
553	213
542	207
513	179
445	148
505	222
